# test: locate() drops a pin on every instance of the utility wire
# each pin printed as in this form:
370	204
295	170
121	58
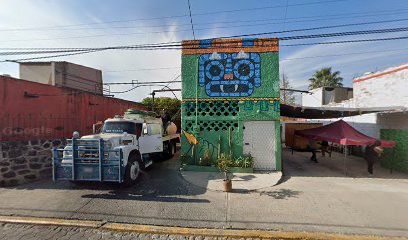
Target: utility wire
165	46
191	19
200	29
174	44
304	19
184	15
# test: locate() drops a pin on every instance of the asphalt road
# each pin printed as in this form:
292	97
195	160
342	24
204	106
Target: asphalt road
306	200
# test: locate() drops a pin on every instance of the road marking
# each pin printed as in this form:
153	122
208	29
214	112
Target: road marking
150	229
51	221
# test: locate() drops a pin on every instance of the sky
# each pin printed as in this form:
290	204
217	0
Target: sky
97	23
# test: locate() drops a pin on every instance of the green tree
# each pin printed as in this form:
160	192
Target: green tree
325	78
165	104
285	95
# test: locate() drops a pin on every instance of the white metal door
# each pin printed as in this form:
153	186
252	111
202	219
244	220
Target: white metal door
151	142
260	142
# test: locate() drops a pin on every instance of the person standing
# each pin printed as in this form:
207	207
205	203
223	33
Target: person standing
313	148
325	148
371	155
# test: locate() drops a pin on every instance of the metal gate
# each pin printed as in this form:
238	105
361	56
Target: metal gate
260	142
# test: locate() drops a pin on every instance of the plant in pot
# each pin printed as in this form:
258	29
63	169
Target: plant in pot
225	162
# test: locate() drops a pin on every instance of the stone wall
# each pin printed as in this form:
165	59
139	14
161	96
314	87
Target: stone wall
26	161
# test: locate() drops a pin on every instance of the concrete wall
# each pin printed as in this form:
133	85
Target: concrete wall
382	89
41	73
26	161
78	77
325	96
313	100
63	74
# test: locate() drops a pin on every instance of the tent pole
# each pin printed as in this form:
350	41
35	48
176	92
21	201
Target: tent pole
344	160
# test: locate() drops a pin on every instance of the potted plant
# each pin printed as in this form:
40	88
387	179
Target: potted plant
224	164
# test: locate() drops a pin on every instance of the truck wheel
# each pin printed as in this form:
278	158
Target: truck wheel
171	149
132	170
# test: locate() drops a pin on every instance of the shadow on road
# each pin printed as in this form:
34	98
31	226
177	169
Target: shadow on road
119	195
281	194
162	183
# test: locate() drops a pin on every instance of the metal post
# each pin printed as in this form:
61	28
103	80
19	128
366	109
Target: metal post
101	155
73	158
153	93
345	156
54	156
120	165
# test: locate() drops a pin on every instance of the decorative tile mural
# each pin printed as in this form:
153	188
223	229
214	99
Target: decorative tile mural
226	82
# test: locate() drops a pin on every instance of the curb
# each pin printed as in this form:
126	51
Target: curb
150	229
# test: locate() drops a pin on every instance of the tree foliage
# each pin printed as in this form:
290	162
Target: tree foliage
164	104
286	96
325	78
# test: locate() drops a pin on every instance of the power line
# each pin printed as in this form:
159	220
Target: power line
191	19
199	29
344	54
311	18
186	15
58	50
143	69
132	83
165	46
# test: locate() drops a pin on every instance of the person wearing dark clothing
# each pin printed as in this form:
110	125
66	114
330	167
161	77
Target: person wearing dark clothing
371	155
325	148
165	119
313	148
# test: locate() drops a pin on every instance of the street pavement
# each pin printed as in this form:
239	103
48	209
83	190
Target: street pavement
311	197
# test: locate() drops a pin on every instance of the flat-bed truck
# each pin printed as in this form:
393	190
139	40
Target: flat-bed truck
125	146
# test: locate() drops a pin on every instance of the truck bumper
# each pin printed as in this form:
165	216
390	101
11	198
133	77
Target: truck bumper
88	161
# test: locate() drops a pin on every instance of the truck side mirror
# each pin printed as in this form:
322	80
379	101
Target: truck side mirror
145	131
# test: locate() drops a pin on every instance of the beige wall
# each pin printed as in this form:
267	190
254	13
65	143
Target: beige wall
40	73
63	74
78	77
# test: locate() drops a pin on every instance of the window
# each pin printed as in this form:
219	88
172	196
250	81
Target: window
119	127
154	129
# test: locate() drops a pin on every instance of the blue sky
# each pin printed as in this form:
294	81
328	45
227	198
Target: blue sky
92	23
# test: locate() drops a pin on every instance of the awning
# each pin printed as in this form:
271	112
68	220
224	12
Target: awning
332	112
342	133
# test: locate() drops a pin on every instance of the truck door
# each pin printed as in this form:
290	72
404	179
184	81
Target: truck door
151	140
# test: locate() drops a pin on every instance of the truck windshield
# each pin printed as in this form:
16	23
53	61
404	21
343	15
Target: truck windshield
119	127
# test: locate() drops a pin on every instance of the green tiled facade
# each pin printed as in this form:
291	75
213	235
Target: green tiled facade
225	83
399	159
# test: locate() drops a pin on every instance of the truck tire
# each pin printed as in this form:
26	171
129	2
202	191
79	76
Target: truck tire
171	149
132	170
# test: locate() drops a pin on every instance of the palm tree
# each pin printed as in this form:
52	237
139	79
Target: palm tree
325	78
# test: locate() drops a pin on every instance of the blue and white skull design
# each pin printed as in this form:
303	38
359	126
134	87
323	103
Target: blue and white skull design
229	74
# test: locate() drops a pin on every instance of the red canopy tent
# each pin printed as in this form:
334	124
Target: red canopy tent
342	133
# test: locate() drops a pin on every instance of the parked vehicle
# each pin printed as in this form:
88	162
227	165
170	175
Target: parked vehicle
124	147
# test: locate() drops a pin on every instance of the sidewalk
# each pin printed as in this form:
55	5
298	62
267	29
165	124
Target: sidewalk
241	182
